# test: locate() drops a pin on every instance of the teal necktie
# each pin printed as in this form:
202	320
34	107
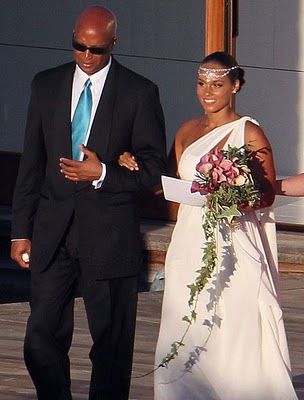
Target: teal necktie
81	119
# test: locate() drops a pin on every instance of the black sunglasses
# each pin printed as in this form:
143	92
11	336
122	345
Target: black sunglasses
94	50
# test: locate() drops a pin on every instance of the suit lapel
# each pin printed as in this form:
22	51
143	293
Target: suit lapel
62	115
101	127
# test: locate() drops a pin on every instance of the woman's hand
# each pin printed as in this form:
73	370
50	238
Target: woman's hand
128	161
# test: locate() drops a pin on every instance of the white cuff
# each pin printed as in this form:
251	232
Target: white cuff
98	182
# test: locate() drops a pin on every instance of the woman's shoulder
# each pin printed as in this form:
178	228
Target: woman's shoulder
254	134
253	128
185	135
188	126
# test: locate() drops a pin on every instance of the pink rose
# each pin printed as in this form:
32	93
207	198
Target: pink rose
195	187
226	165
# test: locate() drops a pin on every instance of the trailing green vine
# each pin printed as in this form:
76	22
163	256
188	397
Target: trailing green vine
225	178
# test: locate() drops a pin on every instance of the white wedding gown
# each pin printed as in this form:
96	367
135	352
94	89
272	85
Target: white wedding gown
236	349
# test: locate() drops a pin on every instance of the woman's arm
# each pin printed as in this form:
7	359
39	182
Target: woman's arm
262	165
128	160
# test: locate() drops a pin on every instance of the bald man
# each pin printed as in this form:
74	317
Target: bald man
74	218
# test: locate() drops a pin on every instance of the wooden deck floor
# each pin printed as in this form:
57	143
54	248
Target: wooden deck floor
15	383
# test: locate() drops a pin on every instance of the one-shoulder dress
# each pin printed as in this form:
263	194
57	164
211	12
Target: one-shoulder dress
237	348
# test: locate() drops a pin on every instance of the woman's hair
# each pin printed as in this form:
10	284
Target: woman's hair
227	61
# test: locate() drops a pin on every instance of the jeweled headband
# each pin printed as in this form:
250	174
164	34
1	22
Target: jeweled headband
215	73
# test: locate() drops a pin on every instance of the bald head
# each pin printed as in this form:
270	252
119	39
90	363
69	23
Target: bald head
97	18
94	28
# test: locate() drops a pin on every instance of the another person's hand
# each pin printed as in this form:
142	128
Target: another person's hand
21	252
291	186
88	170
128	161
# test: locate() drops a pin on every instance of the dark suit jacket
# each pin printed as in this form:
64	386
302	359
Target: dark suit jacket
129	117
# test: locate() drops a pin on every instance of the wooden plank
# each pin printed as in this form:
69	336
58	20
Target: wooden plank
15	383
291	267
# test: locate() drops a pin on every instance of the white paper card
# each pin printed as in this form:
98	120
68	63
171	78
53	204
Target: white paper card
179	191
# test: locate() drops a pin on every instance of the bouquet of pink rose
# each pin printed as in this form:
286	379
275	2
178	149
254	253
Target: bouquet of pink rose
224	176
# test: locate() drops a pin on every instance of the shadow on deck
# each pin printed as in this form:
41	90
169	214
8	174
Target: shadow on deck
15	383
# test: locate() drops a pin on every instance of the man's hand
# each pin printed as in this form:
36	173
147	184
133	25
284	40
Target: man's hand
88	170
21	251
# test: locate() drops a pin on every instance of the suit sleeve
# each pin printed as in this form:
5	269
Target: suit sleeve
31	172
148	146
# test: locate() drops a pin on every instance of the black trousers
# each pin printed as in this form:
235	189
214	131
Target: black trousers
111	312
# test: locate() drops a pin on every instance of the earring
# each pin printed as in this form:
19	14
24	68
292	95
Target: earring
234	91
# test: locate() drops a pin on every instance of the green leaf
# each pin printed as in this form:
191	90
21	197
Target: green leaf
230	213
193	315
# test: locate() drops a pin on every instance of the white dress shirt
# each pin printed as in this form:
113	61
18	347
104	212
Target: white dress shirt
98	81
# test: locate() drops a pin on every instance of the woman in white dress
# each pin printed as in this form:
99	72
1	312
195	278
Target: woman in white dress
236	349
